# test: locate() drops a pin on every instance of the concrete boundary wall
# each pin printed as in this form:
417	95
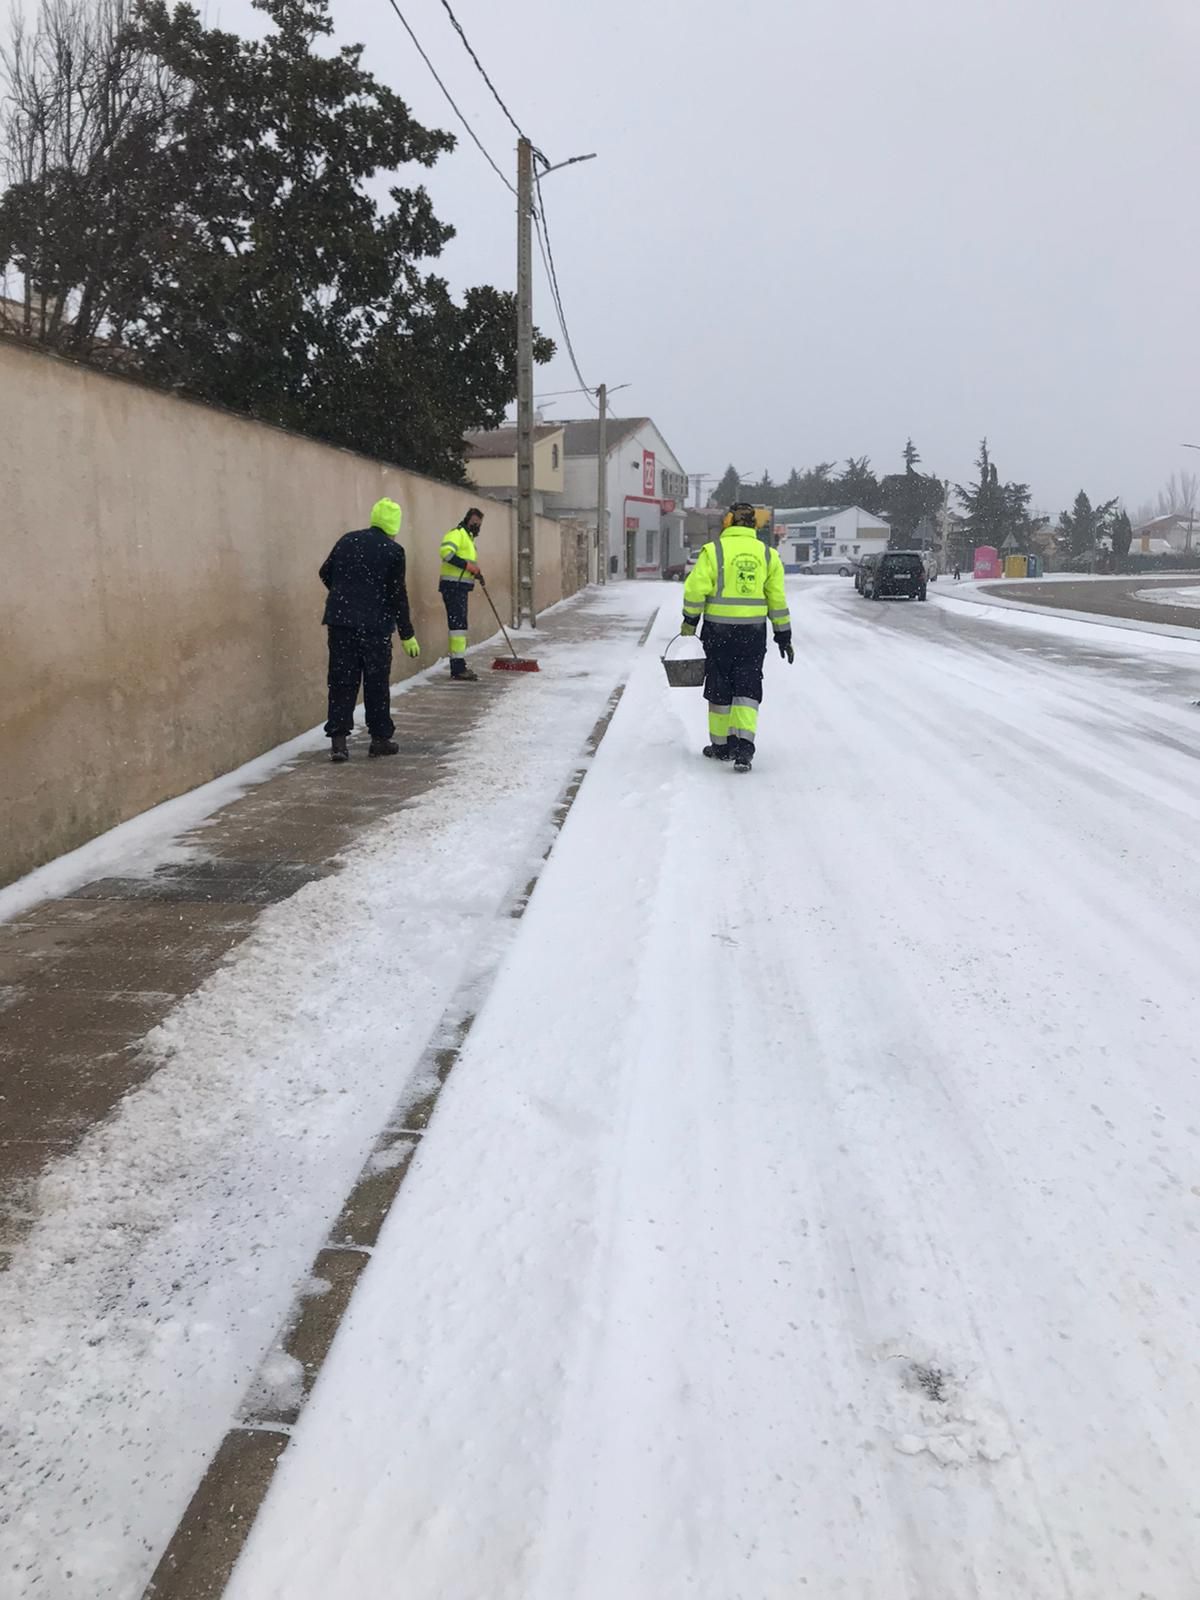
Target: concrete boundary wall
159	600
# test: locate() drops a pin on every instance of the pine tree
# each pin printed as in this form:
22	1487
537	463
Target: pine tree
764	492
908	498
1122	535
858	485
984	504
1083	526
728	490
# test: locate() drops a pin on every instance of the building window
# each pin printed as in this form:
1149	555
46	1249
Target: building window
554	457
651	547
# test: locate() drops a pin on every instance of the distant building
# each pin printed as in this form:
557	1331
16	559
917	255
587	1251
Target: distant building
646	488
492	464
806	535
1176	533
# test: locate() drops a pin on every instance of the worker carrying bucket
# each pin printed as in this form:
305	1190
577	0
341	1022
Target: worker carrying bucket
736	587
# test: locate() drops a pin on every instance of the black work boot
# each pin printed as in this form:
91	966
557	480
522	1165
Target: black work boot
743	755
337	748
717	752
464	675
384	747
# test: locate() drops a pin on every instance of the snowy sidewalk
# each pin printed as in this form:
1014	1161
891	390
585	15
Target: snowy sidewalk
198	1057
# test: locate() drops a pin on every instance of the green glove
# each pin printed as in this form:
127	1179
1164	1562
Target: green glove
688	628
411	648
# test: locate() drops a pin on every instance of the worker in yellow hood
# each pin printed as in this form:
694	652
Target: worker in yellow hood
368	598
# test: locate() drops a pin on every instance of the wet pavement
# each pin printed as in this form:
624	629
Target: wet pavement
1114	597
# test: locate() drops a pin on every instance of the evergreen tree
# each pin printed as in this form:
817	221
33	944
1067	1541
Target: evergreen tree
764	492
790	494
728	490
1083	526
1122	535
1018	522
254	264
908	498
858	485
815	486
986	513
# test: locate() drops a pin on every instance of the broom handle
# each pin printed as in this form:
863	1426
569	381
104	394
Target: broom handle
496	614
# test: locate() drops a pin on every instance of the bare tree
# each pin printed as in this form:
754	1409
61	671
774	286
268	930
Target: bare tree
83	110
1179	496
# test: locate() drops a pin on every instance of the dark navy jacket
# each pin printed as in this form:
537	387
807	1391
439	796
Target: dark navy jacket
364	573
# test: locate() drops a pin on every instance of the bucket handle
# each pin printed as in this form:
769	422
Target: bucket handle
671	641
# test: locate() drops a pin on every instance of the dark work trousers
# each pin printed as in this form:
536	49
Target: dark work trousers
455	597
733	682
356	657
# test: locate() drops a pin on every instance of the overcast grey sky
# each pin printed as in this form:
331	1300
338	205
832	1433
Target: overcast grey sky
817	227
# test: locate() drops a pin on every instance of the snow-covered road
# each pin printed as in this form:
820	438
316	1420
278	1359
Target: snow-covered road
816	1206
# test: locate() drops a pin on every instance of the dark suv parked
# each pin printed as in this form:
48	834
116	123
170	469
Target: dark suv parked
895	574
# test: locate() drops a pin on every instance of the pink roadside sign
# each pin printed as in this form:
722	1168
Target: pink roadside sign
988	563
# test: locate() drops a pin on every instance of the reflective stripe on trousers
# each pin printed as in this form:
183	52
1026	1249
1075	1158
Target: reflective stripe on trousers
718	724
743	718
458	644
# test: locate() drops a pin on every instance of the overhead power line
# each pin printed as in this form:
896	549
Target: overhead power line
543	231
470	130
458	28
540	219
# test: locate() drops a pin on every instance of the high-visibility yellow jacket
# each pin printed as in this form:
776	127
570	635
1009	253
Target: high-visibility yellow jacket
458	548
737	579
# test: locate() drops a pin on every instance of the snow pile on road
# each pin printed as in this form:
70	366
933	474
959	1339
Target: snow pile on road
170	1243
1187	596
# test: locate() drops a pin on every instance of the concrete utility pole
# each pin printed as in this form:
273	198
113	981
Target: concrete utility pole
525	553
602	486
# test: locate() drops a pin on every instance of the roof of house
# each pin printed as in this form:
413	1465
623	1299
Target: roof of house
815	513
496	443
1166	523
582	437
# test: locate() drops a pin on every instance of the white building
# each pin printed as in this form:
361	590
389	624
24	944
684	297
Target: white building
646	491
809	534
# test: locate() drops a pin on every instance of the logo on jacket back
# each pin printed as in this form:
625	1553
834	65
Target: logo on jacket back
747	576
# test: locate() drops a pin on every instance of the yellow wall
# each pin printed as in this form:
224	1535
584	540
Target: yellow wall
159	602
500	472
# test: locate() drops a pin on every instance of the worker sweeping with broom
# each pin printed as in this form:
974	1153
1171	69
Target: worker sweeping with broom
736	586
459	572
